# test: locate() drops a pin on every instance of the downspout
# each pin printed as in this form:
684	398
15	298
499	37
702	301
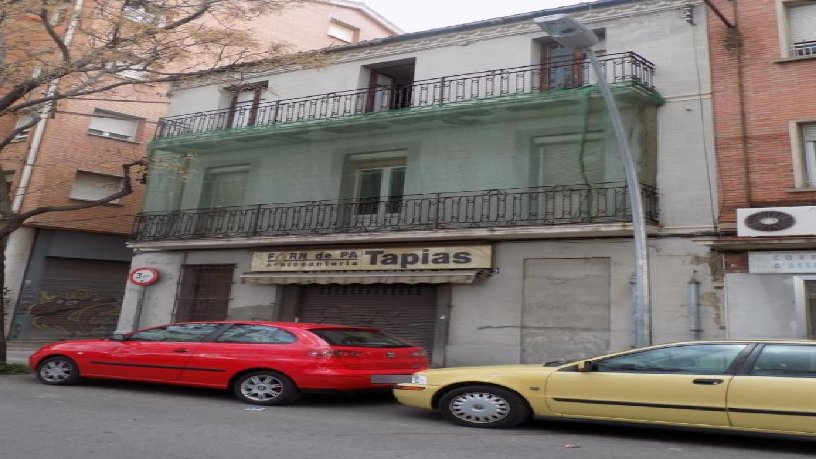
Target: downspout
34	148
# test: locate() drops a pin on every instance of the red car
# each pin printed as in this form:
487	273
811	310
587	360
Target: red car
264	363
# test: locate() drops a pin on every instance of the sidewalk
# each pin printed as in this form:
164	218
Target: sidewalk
18	352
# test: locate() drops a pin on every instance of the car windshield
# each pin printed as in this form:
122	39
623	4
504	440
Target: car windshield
358	338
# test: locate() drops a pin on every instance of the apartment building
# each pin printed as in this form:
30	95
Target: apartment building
66	271
459	187
763	58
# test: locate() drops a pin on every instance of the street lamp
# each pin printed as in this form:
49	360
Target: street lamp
572	34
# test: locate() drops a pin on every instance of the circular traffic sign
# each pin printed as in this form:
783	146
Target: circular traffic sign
144	276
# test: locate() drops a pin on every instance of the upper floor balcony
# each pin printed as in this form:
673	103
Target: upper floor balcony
628	70
599	203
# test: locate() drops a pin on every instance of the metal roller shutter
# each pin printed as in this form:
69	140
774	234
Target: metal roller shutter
404	310
77	298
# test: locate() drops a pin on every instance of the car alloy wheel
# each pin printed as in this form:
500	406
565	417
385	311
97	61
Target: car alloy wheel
266	388
484	406
57	371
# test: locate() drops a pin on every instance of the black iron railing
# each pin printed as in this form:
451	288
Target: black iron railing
623	68
554	205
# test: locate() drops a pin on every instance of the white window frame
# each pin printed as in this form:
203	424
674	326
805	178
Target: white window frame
785	31
804	154
22	135
802	319
339	25
78	196
103	114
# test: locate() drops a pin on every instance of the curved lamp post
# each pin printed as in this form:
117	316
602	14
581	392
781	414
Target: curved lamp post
572	34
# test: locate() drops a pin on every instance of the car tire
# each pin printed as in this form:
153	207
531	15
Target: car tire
485	407
58	371
265	388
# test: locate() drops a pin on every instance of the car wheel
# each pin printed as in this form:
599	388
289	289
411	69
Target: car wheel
266	388
484	406
58	371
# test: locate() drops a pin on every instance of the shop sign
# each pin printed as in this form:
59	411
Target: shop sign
375	259
781	262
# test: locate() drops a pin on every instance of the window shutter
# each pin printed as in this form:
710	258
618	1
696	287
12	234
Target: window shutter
118	127
803	23
809	133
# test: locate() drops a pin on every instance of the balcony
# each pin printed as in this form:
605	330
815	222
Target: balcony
541	206
623	69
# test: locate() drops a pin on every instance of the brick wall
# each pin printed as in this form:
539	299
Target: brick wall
67	147
756	170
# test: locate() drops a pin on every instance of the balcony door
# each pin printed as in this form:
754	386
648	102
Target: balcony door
223	188
566	170
379	191
244	105
561	68
390	85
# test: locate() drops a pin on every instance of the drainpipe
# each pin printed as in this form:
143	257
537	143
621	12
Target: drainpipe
693	305
34	148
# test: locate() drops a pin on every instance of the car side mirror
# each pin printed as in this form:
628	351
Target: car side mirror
585	366
117	337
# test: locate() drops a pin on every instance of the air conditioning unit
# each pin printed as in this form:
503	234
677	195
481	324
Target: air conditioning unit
777	221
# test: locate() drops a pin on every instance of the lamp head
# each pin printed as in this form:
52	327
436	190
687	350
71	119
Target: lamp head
567	31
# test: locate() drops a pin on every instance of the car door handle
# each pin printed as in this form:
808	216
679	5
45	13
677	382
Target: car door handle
180	350
708	382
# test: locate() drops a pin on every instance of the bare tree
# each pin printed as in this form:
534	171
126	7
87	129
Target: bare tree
65	49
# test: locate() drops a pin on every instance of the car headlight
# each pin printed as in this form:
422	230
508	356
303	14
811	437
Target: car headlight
417	378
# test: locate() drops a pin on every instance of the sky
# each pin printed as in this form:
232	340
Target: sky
416	15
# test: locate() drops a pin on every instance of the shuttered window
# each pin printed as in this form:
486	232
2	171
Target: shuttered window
204	292
343	32
91	186
113	125
809	137
802	23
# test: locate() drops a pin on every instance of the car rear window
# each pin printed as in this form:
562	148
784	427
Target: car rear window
358	338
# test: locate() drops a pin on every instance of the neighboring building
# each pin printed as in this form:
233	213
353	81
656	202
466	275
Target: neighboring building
66	271
468	197
763	65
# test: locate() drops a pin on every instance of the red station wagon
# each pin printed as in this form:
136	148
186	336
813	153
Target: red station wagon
264	363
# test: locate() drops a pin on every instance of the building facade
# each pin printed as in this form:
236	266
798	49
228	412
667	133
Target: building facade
763	61
66	272
458	187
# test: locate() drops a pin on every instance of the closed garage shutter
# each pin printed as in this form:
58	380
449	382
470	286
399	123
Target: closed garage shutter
404	310
77	298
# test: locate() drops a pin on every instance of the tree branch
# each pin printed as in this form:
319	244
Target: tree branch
127	188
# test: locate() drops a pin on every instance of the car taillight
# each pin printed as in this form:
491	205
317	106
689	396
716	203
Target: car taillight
420	354
335	353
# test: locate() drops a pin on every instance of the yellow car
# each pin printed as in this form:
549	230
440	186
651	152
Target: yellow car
752	385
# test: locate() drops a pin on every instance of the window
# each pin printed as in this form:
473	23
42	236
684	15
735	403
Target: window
702	359
141	11
801	17
380	186
786	360
224	186
175	333
22	121
9	178
808	133
343	32
358	338
256	334
114	125
245	103
92	186
204	292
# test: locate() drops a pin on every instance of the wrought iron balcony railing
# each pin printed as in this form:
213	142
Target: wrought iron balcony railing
623	68
553	205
